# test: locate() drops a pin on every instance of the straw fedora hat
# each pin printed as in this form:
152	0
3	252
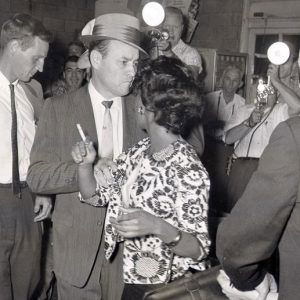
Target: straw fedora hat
117	26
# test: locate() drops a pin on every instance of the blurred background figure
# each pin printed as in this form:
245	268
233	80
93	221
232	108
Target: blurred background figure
174	26
220	107
73	78
73	75
252	125
75	48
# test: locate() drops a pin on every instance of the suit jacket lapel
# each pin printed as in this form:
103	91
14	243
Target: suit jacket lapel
131	131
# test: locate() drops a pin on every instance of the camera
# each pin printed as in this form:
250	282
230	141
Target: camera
157	35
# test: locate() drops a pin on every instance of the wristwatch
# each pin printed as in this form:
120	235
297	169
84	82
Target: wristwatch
175	241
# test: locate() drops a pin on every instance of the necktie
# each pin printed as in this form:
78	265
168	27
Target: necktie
14	144
106	149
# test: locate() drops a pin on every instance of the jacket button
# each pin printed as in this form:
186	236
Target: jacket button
99	223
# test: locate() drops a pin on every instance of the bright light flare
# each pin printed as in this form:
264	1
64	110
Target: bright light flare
278	53
153	14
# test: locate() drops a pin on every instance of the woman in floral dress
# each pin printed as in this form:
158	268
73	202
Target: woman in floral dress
157	198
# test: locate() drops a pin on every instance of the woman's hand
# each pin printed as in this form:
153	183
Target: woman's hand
84	153
135	222
103	171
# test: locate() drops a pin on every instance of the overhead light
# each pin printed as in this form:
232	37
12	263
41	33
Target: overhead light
153	14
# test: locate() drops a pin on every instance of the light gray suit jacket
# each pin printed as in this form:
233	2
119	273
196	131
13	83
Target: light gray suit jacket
77	227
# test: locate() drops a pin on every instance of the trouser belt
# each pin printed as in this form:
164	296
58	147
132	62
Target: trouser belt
248	158
23	184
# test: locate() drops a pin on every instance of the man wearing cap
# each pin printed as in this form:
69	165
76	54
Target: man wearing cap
79	264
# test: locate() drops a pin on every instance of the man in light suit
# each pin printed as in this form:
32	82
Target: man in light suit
79	264
267	216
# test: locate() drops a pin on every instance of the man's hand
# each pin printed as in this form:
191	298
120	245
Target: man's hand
261	292
42	207
231	292
165	47
255	117
266	286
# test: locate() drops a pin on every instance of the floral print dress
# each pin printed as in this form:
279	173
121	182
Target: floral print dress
173	186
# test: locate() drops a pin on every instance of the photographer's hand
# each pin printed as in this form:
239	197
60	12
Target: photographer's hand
255	117
165	47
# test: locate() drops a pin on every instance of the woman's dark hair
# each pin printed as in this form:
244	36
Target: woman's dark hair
168	88
24	28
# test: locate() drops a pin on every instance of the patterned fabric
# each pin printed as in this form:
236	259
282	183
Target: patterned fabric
188	55
176	189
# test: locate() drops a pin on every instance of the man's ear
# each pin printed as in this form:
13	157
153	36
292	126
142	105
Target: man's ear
96	59
13	46
182	30
241	84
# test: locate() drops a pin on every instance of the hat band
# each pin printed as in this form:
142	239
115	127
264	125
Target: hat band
123	33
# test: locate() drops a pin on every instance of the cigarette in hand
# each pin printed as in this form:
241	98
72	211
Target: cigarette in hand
83	137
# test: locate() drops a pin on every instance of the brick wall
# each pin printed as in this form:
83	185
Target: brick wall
219	25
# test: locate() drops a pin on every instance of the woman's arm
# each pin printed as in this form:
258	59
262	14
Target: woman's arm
191	210
136	222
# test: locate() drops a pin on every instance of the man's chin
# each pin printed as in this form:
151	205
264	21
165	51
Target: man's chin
26	78
125	91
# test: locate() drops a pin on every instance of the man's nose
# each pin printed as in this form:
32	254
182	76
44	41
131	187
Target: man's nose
168	29
40	65
132	70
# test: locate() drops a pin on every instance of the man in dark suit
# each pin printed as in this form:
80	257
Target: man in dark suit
267	216
79	264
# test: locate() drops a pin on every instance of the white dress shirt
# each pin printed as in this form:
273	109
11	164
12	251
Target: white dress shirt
116	115
188	54
255	142
26	130
217	109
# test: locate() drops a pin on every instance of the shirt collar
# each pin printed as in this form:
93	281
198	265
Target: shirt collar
96	96
179	46
5	82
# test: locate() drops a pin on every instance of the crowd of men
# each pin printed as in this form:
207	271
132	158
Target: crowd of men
258	193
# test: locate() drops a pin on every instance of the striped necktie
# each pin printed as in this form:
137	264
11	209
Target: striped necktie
16	187
106	149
